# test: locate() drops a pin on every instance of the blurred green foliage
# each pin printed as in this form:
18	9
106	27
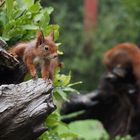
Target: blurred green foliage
117	21
20	20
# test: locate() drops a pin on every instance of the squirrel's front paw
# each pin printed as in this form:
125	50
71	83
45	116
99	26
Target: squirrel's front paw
45	78
35	77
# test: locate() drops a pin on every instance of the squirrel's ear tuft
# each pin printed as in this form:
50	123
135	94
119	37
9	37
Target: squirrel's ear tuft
51	36
40	38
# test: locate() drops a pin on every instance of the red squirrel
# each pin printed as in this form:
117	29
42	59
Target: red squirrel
41	52
124	55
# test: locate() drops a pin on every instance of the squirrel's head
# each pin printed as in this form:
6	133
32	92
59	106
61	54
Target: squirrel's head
122	55
119	59
46	45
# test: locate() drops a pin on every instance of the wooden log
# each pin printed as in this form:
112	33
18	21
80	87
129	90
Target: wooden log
23	108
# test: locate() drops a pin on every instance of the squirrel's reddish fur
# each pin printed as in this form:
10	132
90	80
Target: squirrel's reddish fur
41	51
124	55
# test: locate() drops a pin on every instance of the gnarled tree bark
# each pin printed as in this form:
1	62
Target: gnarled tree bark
12	71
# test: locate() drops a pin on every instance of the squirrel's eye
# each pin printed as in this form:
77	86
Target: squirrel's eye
46	47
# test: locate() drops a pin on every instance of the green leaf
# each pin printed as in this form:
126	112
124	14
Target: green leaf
9	9
66	79
50	10
91	130
68	135
30	27
61	79
76	83
60	52
56	34
42	18
70	90
35	7
58	44
45	19
49	28
3	18
26	4
53	119
65	132
62	94
72	115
